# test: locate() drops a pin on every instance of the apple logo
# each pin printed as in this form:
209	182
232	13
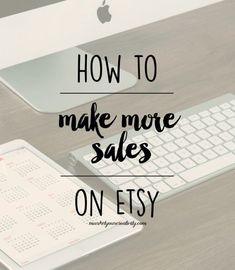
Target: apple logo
103	13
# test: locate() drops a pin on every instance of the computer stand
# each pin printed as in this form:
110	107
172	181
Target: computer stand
40	82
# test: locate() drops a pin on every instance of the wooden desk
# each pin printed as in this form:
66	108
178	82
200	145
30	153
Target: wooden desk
196	54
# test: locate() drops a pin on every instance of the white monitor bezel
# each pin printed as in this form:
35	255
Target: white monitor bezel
49	29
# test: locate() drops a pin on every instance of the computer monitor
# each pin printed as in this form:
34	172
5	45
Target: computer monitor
38	57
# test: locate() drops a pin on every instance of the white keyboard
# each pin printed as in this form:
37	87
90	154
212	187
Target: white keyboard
201	146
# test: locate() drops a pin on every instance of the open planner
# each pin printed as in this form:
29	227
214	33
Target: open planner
38	216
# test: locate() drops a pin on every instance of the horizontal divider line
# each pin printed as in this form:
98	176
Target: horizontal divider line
135	176
116	93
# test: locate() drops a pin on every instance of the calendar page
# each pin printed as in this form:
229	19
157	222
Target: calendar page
38	214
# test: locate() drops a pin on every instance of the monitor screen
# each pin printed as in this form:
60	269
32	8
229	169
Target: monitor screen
11	7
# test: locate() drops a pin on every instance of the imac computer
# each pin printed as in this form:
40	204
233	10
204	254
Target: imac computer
39	39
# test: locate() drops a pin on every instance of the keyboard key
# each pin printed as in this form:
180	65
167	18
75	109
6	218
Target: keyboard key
166	137
149	134
209	121
121	180
229	113
220	150
177	168
108	161
232	131
177	133
155	141
193	117
171	147
195	149
225	106
182	142
162	187
175	182
213	130
192	138
230	146
204	114
98	165
172	157
138	171
226	136
183	121
232	102
161	162
183	153
165	171
149	166
224	126
218	117
215	140
188	163
215	109
205	144
110	170
198	125
142	182
154	179
199	159
125	165
203	134
188	129
210	154
135	161
208	168
231	121
159	151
